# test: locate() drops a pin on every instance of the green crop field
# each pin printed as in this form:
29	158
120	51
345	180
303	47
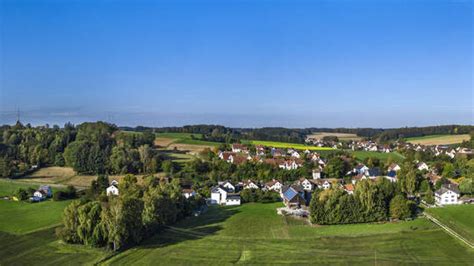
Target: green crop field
438	139
286	145
255	234
460	218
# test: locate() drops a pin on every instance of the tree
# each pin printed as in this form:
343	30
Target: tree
21	194
466	186
429	197
399	208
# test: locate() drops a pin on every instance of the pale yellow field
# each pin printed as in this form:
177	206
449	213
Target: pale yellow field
67	176
189	148
439	139
341	136
163	142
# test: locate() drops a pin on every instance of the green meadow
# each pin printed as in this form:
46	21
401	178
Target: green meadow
255	234
249	234
459	218
362	155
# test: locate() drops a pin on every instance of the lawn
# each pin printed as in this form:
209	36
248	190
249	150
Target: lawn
286	145
255	234
438	139
459	218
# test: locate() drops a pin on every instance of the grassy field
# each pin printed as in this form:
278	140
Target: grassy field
438	139
24	217
340	136
362	155
255	234
460	218
27	236
183	142
285	145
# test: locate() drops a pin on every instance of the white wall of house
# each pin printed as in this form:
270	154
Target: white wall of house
112	190
232	202
447	198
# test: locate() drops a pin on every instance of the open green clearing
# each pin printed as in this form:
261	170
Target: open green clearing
460	218
22	217
383	156
286	145
251	233
186	138
255	234
438	139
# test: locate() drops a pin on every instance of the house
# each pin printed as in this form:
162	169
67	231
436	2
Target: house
448	194
357	178
46	191
233	199
392	176
306	184
373	172
321	183
227	185
227	156
293	197
260	150
316	174
276	152
187	192
220	195
360	169
274	185
290	164
249	184
422	166
112	190
295	154
349	188
394	167
239	148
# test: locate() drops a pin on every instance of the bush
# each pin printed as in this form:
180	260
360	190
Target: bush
59	195
21	194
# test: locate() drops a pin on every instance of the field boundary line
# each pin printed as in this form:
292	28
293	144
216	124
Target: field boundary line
449	230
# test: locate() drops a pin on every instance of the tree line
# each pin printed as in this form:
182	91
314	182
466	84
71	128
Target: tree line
116	222
371	202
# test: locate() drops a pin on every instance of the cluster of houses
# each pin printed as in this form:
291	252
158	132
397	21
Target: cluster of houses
288	159
369	146
293	195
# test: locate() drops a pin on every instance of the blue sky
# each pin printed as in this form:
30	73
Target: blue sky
238	63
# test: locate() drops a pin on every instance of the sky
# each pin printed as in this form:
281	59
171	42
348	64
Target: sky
237	63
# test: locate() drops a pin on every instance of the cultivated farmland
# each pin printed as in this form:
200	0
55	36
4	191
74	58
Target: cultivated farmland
438	139
286	145
340	136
